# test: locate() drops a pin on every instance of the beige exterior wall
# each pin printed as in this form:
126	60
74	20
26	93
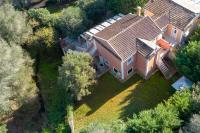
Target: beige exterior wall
127	67
112	60
141	64
151	65
177	36
145	67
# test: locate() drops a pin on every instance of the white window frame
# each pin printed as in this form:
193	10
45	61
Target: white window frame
115	69
130	72
130	60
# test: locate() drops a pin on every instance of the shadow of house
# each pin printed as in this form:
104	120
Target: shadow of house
106	88
147	94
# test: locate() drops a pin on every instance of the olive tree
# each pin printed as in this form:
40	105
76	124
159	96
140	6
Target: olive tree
76	74
16	83
13	26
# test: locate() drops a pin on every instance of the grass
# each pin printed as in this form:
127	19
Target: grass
112	100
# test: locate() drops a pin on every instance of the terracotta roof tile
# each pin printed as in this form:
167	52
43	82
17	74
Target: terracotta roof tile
124	41
178	15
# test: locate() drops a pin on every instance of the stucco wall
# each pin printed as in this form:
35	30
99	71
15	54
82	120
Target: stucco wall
151	65
113	61
140	64
129	66
178	35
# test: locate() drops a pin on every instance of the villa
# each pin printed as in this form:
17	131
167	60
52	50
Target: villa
132	43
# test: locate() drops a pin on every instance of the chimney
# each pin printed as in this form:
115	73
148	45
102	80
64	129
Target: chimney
139	11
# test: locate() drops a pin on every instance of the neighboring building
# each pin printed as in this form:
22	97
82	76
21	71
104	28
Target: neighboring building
129	44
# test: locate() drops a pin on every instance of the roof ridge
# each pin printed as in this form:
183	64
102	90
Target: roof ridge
126	29
155	24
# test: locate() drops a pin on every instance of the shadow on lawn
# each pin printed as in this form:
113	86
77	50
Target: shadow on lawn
147	94
106	88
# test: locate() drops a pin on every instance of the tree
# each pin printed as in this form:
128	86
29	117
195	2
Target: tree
42	15
124	6
17	85
165	117
76	74
196	97
13	26
45	39
193	126
188	60
94	9
195	35
181	101
96	127
3	128
155	120
73	21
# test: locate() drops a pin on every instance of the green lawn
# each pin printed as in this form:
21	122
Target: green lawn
111	99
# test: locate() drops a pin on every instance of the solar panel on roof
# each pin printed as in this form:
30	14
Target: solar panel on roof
106	24
116	17
94	31
120	14
88	33
99	28
111	21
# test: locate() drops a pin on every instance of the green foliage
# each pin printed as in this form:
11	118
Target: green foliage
193	126
188	60
13	26
165	117
95	9
181	101
76	74
95	127
124	6
157	120
195	35
73	21
45	39
196	98
17	85
43	16
3	128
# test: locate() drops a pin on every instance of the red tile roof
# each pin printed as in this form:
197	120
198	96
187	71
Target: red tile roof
163	44
123	42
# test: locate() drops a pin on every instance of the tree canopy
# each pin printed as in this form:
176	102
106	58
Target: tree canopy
17	85
188	60
13	26
124	6
73	21
76	74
